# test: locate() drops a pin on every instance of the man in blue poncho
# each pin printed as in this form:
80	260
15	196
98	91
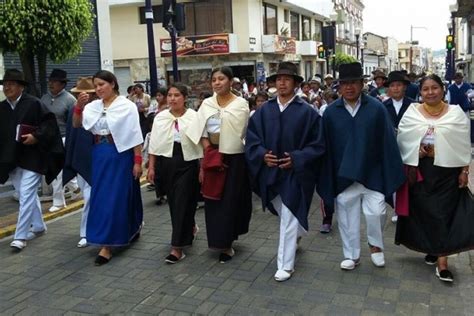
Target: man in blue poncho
362	165
283	144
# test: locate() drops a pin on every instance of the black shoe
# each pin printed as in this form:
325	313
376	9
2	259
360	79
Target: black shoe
171	259
444	275
431	260
224	257
100	260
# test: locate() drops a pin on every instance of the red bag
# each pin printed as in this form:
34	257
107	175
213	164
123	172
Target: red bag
215	172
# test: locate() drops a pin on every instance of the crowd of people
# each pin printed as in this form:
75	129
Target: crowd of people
358	145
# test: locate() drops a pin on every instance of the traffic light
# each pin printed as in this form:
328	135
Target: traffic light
321	52
449	42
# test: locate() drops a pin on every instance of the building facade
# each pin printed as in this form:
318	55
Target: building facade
462	13
349	21
251	36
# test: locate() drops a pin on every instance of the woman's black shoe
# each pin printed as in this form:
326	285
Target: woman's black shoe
224	257
444	275
171	259
431	260
100	260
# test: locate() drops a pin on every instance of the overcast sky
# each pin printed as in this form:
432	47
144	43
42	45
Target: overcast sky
394	18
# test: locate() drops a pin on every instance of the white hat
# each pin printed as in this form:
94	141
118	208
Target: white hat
328	76
315	78
236	79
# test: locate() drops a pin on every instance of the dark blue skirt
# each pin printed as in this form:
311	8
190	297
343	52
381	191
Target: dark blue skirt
116	211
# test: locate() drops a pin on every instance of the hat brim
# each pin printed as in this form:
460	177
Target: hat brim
25	83
297	78
58	79
406	82
74	90
350	79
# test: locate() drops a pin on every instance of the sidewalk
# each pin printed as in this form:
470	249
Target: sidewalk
53	277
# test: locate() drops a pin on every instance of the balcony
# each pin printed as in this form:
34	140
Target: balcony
277	44
307	48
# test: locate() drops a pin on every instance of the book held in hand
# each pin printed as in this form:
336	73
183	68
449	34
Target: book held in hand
24	129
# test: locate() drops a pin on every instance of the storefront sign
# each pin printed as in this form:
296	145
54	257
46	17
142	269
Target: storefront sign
278	44
216	44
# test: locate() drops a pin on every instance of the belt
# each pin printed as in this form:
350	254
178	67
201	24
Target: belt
103	139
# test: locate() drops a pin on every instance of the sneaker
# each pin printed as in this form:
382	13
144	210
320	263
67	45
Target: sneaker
431	260
54	208
378	259
444	275
349	264
18	244
32	235
283	275
325	228
394	219
82	243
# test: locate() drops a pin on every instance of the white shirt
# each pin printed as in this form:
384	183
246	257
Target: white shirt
13	103
284	106
397	105
352	110
213	125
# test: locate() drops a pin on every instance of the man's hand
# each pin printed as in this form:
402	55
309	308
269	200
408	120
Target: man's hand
270	159
286	163
150	176
29	139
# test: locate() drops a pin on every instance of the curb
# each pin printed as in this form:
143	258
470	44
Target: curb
74	206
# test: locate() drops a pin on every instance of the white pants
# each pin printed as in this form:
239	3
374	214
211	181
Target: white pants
58	188
26	183
348	207
86	193
290	230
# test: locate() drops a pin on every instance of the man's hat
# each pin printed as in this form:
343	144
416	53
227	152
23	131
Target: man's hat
412	75
14	75
236	80
351	71
315	79
289	69
328	76
379	74
84	84
397	76
58	75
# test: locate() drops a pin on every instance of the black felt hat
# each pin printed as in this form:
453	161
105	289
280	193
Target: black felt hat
397	76
14	75
289	69
58	75
350	72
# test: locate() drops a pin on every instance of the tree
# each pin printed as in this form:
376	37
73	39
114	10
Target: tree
38	29
342	58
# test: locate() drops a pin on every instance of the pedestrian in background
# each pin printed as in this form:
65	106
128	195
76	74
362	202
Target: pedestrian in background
79	146
30	147
380	90
220	127
142	101
60	102
175	157
116	211
362	166
283	144
438	211
458	93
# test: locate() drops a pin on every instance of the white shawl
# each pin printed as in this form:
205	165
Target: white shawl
162	138
452	137
122	120
234	119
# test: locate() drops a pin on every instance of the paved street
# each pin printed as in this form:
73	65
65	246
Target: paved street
51	276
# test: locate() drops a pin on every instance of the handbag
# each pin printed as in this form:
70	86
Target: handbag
215	172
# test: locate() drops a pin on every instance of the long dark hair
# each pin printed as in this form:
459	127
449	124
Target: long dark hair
109	77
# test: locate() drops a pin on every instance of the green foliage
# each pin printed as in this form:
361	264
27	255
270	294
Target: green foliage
54	27
342	58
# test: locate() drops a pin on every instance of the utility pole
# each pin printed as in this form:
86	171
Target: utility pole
151	47
171	27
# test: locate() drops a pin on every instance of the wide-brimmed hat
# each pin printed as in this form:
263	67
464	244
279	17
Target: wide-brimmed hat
397	76
379	74
289	69
14	75
84	84
58	75
350	72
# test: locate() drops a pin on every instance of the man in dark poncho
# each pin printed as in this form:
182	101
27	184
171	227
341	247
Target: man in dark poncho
282	148
362	165
30	146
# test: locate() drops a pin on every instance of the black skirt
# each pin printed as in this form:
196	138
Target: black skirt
179	180
229	217
441	216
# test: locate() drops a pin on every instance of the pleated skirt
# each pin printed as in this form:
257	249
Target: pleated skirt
116	210
441	216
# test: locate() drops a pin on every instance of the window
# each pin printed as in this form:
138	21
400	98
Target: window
286	16
306	27
208	17
270	25
318	26
157	14
295	25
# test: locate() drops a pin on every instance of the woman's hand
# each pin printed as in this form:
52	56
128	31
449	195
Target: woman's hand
29	139
422	152
137	171
463	179
150	176
82	100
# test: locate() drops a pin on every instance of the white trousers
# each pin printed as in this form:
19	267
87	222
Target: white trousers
290	230
26	183
58	188
86	193
348	209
